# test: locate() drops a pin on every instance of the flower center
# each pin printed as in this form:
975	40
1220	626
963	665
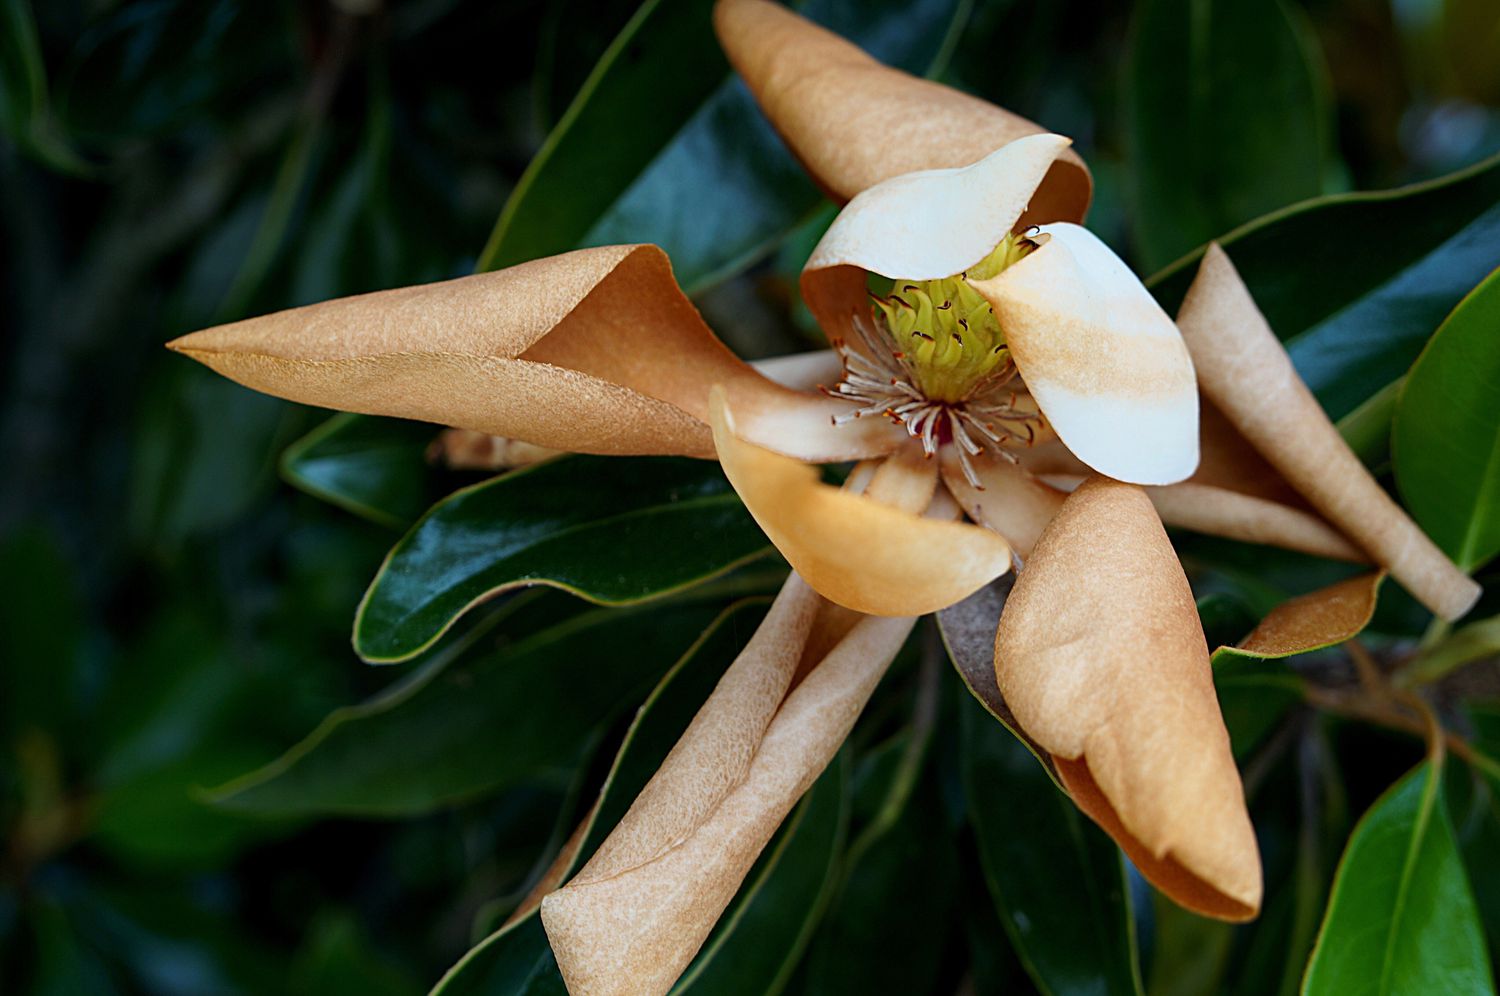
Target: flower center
949	334
933	358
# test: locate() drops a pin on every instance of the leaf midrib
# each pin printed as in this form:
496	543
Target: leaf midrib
1408	869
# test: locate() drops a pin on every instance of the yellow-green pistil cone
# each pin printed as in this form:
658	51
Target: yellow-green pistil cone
947	332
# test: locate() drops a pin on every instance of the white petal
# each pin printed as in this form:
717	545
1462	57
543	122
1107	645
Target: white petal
1105	363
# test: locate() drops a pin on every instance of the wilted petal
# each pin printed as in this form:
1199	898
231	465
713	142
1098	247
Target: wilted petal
854	122
1101	657
1012	502
1246	372
1104	362
630	928
923	226
1220	512
862	553
595	351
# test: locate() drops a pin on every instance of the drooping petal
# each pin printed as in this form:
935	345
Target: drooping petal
631	928
595	351
715	752
1012	501
1204	508
854	122
1246	371
923	226
1234	494
1101	657
857	551
1104	362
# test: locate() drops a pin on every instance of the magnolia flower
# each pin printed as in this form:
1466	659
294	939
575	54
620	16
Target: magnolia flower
1010	396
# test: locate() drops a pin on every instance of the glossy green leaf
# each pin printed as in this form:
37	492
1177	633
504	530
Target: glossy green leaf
1355	284
1367	429
655	74
1057	879
695	146
1446	438
728	164
1254	694
477	718
374	467
1474	801
611	530
888	928
1228	118
521	951
1402	918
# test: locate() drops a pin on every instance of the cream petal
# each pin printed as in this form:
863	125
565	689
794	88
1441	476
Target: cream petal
1246	371
630	930
1012	502
854	122
1221	512
1104	362
802	371
922	226
1101	657
594	351
855	550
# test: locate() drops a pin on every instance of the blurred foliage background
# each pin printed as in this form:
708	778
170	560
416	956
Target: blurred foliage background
176	614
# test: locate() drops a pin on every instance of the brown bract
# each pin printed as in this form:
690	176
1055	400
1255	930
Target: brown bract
594	351
1320	618
1244	368
854	122
632	919
1100	655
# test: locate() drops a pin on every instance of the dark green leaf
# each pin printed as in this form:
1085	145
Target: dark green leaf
1254	694
1446	439
888	928
1190	953
612	530
1474	801
1057	880
476	719
653	77
728	164
1354	284
1402	918
338	960
694	147
373	467
1228	118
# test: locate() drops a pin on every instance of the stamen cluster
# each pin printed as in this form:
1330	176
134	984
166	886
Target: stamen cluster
932	356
